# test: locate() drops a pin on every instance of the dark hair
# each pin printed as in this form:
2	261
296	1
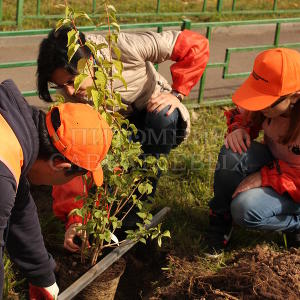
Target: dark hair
46	149
53	54
257	118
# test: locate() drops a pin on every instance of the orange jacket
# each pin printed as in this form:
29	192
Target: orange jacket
64	200
279	175
191	53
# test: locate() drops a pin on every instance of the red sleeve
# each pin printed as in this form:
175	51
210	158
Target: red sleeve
64	200
282	178
191	53
235	118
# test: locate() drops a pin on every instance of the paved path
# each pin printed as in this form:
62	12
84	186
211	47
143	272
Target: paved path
26	48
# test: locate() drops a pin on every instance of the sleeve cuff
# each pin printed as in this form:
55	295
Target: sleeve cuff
73	219
43	280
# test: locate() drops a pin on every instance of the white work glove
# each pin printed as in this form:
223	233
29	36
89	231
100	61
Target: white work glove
43	293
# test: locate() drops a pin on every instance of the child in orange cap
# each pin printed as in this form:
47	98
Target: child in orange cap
257	184
47	149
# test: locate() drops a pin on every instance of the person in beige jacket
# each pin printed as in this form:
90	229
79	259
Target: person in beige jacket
153	105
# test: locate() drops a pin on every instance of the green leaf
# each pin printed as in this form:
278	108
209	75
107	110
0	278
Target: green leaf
150	160
143	240
62	22
113	37
159	241
142	215
59	98
73	36
133	128
117	52
77	212
107	117
111	7
72	50
162	163
116	26
154	235
79	81
118	65
77	198
101	78
167	234
120	77
92	47
98	214
95	97
82	14
83	66
107	236
68	12
101	46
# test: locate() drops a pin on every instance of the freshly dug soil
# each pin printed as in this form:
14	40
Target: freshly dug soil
69	269
261	273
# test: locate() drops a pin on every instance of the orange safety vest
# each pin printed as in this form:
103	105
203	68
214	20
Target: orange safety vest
11	153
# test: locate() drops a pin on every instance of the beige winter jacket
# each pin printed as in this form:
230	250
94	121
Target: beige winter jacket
139	53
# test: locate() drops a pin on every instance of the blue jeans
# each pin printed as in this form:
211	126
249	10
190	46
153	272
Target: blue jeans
157	132
263	208
260	208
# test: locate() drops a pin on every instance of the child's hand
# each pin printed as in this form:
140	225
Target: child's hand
250	182
238	140
70	234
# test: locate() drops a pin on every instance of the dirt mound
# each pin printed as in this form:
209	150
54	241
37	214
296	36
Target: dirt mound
261	273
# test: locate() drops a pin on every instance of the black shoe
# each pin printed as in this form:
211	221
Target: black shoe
219	232
293	238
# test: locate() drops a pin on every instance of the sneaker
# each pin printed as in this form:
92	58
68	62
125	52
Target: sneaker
219	232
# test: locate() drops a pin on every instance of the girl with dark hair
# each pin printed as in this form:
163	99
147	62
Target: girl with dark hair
53	55
257	185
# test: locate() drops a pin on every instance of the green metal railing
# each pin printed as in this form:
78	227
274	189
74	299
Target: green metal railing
185	24
158	10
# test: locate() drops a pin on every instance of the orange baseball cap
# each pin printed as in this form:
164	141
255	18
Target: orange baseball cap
83	137
276	73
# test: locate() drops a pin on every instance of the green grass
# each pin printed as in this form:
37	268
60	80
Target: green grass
187	187
136	6
10	281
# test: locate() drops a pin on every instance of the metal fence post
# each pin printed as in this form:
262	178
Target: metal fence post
277	34
219	5
94	7
204	5
0	10
275	5
186	24
233	5
38	7
20	5
203	78
157	6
